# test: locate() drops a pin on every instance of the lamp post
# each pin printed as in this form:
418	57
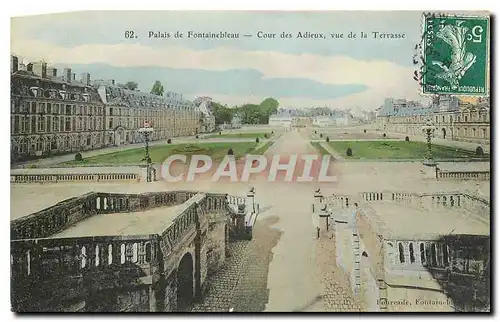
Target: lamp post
146	131
428	130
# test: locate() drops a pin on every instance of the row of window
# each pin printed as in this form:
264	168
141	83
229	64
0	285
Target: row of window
470	260
25	146
116	111
160	123
42	124
481	133
54	108
429	254
476	117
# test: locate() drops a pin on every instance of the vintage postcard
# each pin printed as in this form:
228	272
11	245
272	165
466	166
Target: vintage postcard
250	161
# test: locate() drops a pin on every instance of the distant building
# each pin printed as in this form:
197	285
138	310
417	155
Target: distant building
336	118
236	122
284	120
302	121
454	120
55	113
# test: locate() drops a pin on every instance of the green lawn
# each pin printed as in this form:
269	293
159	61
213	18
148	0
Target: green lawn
397	150
159	153
255	135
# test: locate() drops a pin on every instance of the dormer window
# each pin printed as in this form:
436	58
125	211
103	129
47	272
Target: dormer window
63	94
35	91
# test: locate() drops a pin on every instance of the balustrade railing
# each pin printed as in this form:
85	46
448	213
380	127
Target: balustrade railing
71	177
463	175
51	258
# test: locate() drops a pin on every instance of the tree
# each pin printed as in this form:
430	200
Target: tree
157	89
270	106
250	114
222	114
131	85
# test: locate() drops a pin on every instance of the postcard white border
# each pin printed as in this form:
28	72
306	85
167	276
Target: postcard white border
31	7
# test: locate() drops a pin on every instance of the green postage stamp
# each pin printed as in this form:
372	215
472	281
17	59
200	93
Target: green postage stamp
455	55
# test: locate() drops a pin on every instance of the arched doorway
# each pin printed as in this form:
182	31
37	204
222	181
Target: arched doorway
119	135
185	282
443	130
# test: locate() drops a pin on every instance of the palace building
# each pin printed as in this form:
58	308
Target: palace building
454	119
55	113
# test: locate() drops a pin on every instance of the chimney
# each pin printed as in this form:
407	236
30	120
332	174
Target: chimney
73	78
85	78
40	69
29	67
51	72
67	75
14	64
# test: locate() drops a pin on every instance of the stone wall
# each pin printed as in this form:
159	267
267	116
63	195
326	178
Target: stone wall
410	275
59	274
115	273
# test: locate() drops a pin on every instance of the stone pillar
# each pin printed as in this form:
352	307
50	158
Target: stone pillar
152	299
240	222
143	173
318	198
324	217
429	170
250	200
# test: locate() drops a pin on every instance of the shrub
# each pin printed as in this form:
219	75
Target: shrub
479	151
327	139
169	141
78	157
348	152
230	151
384	135
257	140
321	135
364	131
315	131
407	139
197	136
272	132
265	135
220	132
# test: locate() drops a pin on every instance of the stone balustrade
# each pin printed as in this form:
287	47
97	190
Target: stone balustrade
74	177
235	200
463	175
460	200
338	201
49	258
56	218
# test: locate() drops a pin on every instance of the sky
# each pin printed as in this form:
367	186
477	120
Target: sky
339	73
